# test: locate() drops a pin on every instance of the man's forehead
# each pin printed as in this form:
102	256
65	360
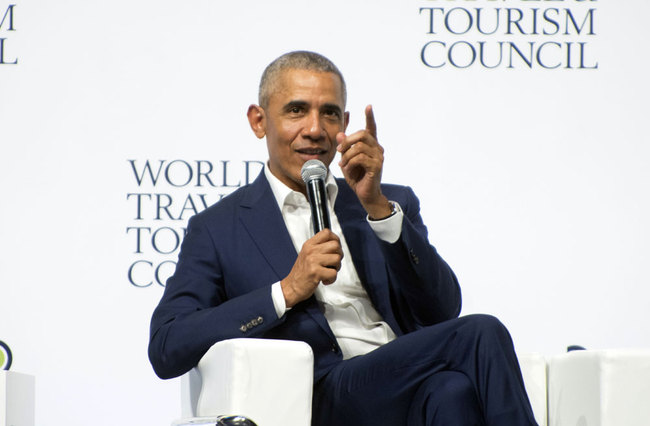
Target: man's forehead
294	80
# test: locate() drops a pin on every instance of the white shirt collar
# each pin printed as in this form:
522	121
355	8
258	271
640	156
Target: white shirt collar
284	194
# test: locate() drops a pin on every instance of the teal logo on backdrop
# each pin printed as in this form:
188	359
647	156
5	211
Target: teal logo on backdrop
7	30
533	34
5	356
166	193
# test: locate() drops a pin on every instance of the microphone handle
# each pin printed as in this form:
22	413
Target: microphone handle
320	214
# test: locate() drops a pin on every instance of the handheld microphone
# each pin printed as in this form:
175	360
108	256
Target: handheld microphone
314	173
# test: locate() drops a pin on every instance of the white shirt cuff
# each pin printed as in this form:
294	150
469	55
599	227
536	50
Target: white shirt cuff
278	299
389	229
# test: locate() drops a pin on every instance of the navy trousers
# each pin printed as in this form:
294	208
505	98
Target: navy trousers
462	372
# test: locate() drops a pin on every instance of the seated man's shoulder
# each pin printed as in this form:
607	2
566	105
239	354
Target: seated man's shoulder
225	206
399	193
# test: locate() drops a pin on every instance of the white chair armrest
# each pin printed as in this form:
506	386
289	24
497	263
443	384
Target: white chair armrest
190	390
533	370
269	381
17	391
605	388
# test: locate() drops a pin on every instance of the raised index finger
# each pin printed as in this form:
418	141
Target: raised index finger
371	126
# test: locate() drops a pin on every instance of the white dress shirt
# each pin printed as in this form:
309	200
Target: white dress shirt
355	322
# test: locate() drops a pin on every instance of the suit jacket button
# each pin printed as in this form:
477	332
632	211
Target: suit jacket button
243	328
249	325
260	320
254	322
414	257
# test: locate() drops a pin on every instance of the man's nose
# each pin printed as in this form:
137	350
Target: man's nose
313	127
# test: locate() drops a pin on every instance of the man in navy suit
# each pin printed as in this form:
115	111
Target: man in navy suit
371	296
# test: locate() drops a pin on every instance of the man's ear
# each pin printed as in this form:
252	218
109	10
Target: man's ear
346	120
257	120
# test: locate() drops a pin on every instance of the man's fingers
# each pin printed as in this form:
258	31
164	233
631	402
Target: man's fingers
371	126
363	151
367	136
345	142
329	277
362	164
324	236
333	260
324	267
324	242
319	260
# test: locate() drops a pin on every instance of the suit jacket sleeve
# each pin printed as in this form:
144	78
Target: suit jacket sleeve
424	289
197	309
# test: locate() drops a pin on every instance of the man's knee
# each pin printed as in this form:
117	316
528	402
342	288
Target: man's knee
446	397
485	326
451	387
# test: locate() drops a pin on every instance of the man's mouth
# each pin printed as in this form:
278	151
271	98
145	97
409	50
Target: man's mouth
312	151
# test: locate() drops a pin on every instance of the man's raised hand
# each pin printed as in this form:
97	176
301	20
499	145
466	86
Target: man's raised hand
362	162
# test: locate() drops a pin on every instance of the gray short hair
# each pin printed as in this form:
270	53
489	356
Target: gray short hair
300	60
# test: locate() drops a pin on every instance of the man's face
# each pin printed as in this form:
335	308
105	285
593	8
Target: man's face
304	113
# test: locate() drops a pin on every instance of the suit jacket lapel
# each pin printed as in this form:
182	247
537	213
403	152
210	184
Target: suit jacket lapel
263	220
366	253
351	216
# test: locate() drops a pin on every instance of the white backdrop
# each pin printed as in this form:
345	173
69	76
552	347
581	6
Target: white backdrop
534	182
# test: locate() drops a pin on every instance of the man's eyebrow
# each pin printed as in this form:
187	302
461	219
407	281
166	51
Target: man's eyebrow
303	104
296	103
334	107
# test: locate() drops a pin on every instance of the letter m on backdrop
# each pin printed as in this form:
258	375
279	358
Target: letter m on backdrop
6	24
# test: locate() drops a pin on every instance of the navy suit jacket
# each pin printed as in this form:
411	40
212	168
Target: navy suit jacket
236	249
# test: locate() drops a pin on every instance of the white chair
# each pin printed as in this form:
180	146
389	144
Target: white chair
17	391
269	381
533	369
599	388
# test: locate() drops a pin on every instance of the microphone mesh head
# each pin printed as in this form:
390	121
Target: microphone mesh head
313	169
